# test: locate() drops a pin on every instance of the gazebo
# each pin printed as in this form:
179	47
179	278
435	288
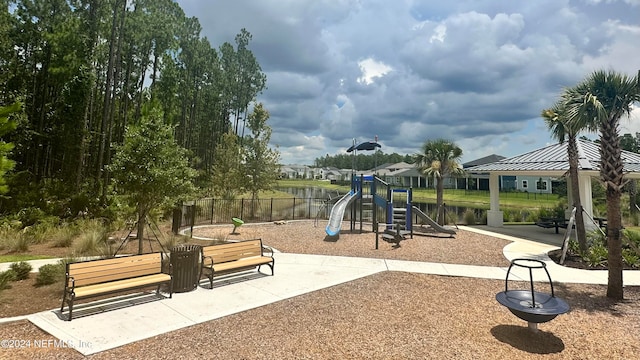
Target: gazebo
553	161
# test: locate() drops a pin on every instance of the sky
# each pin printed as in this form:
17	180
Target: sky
476	72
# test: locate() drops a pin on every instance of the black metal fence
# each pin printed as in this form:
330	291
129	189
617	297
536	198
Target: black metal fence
220	211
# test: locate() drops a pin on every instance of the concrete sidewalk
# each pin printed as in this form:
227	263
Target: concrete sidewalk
103	325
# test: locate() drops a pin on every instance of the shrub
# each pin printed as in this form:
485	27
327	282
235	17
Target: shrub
469	217
22	269
630	258
18	242
171	240
63	236
596	255
6	277
92	239
50	273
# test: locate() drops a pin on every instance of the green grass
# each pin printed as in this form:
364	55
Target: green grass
463	198
480	199
21	257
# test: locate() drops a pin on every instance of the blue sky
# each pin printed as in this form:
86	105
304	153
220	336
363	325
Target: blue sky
477	72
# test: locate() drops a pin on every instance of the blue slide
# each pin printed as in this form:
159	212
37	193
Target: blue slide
337	213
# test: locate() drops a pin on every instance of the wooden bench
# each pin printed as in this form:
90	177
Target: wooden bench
91	278
234	257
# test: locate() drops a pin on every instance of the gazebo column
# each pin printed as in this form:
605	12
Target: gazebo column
586	199
494	215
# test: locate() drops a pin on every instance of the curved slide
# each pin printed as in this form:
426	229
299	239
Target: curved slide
437	227
337	213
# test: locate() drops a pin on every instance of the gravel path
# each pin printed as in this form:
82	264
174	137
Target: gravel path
390	315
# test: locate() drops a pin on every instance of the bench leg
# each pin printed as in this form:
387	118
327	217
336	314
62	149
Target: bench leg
270	265
64	297
170	289
72	297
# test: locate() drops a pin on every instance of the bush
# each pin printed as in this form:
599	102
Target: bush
469	217
63	236
6	277
631	258
171	240
22	269
92	239
18	242
50	273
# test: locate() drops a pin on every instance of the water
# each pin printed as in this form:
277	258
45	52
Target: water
452	212
311	193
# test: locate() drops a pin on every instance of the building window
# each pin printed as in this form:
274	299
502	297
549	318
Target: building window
541	185
525	184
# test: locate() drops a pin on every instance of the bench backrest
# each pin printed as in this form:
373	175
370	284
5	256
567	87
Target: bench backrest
105	270
232	251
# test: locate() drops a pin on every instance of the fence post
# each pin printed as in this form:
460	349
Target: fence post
271	211
293	216
213	201
193	217
242	208
309	213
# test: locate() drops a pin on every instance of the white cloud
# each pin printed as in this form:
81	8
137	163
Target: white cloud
372	69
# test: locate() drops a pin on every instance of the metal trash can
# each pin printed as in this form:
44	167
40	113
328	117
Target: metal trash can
185	262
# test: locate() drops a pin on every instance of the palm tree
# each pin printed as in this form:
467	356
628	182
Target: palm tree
560	129
599	102
439	158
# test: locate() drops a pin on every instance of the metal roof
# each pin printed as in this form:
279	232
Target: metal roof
554	159
484	160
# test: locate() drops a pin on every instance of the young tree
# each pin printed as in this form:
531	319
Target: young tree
6	126
228	177
440	158
150	168
261	163
599	102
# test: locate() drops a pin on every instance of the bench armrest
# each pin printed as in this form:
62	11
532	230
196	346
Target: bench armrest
267	249
207	266
70	283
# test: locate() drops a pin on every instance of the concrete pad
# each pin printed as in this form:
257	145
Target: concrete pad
119	321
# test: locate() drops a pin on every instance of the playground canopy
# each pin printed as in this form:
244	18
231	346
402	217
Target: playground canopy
367	145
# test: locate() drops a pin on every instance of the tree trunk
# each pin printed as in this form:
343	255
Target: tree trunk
611	171
142	220
575	194
614	245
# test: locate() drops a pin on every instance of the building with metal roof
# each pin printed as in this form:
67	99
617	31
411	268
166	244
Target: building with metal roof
553	161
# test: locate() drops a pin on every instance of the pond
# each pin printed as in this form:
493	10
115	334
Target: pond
453	213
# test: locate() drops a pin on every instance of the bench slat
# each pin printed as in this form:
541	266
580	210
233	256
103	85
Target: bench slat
242	263
114	275
153	257
92	290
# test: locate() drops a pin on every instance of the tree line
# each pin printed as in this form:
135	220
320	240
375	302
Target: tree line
84	71
362	161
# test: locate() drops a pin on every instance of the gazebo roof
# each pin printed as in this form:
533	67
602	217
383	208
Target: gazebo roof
553	160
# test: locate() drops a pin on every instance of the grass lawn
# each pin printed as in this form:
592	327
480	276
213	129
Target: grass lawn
21	257
465	198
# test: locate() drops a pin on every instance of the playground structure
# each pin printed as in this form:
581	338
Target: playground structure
530	305
373	200
368	195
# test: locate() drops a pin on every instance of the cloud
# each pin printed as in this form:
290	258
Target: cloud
476	72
